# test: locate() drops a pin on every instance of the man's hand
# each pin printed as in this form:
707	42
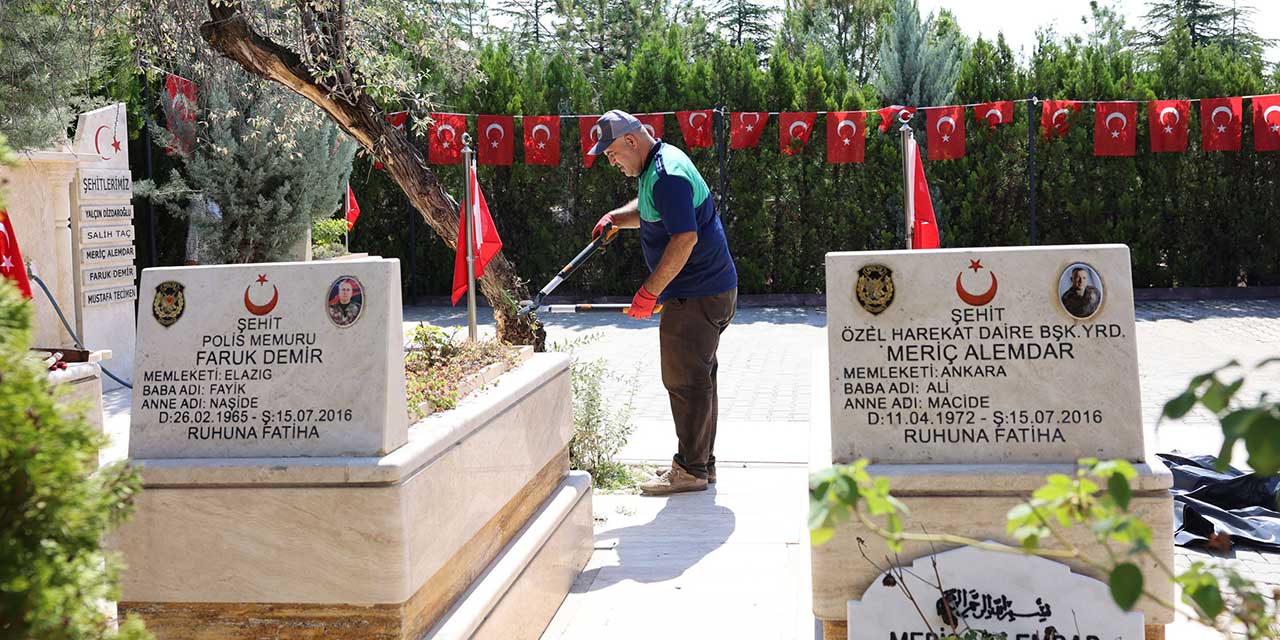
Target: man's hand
642	304
605	219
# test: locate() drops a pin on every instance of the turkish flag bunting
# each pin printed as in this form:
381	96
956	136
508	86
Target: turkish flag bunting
497	140
946	133
397	120
652	122
542	140
589	132
1114	127
1167	120
445	146
180	117
794	128
745	128
1220	120
893	114
696	127
11	265
1266	123
1055	117
353	208
994	113
484	236
924	225
846	136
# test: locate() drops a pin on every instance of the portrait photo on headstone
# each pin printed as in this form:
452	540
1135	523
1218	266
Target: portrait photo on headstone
1080	290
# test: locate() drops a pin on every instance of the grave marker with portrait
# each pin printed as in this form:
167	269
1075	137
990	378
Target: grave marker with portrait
279	359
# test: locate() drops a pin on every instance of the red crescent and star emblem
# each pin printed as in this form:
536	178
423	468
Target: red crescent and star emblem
979	299
263	309
97	143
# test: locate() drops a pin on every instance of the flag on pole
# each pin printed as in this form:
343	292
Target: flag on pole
11	265
484	237
353	208
894	114
924	233
180	117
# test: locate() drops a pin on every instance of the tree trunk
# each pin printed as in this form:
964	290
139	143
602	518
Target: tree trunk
230	34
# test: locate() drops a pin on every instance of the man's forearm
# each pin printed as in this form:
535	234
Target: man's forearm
627	216
673	260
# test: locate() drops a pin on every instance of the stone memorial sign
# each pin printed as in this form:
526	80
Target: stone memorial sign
102	275
1025	597
999	355
262	360
103	234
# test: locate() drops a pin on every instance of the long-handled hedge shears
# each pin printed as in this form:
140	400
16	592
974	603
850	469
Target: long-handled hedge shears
607	234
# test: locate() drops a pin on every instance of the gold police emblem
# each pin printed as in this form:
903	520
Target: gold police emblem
874	289
169	303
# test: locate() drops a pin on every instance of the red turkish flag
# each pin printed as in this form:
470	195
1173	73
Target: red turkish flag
182	109
484	236
924	226
11	264
353	208
497	140
794	128
893	114
652	122
746	127
542	140
445	145
994	113
589	134
1167	121
696	127
846	136
1055	117
946	133
397	120
1115	126
1266	123
1220	120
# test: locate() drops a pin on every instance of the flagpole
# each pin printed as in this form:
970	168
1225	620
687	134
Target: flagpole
908	194
468	214
346	217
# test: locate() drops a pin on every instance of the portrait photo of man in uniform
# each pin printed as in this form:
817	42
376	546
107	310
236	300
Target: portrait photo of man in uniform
345	300
1081	290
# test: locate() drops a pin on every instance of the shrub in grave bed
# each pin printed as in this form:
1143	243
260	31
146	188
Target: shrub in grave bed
437	365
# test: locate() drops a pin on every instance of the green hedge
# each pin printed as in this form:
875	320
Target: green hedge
1191	219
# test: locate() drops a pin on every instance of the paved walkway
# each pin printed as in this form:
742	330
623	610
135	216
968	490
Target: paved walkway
734	562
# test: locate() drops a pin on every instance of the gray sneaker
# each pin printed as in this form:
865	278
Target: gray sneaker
675	480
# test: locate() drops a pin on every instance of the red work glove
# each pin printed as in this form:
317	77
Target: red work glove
642	304
605	219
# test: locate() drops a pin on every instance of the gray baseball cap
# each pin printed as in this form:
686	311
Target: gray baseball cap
614	125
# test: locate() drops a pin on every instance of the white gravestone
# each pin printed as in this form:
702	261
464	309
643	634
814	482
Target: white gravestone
1025	597
997	355
264	360
103	237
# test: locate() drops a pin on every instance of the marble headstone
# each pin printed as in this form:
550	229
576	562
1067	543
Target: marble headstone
1025	597
266	360
997	355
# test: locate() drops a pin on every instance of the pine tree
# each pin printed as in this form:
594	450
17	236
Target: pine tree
742	21
264	166
915	68
1209	22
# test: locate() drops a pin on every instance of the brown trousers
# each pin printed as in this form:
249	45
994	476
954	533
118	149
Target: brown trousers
689	334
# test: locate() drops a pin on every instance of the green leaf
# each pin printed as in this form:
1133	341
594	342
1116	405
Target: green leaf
1218	396
818	512
1207	596
1118	487
1180	405
1263	443
821	535
1236	424
1126	584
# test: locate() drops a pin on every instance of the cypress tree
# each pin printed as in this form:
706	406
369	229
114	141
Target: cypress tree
916	69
